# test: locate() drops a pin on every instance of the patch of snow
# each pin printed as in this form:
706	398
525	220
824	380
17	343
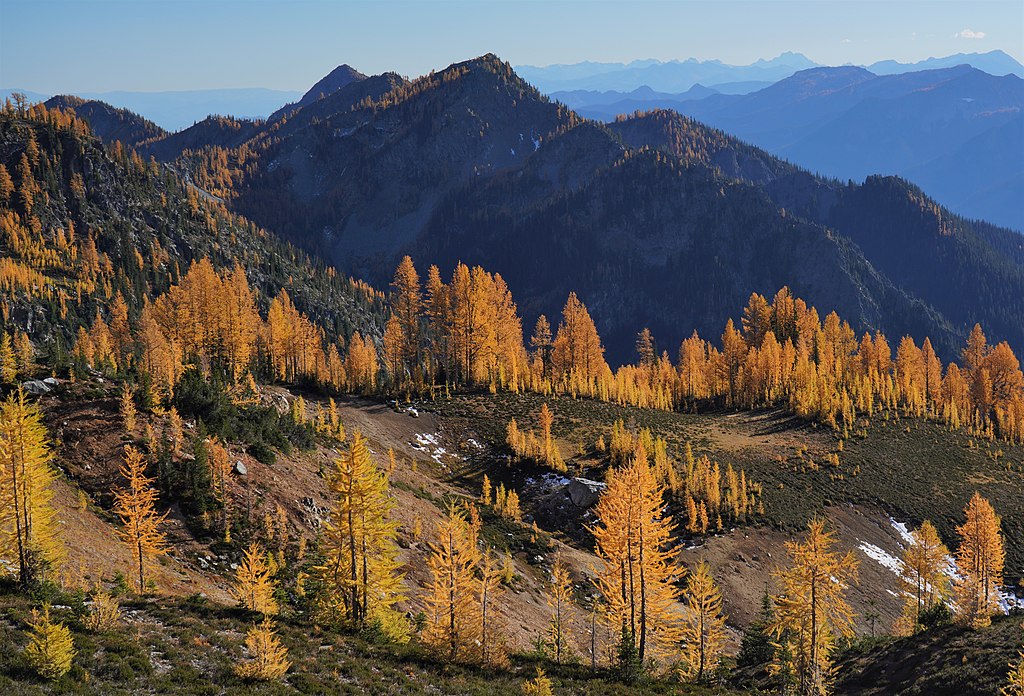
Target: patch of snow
882	557
428	442
425	440
901	529
548	480
1009	601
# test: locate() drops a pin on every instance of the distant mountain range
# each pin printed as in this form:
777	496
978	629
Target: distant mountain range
680	75
173	111
955	131
653	220
671	76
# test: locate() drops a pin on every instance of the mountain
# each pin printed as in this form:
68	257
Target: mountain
341	76
110	222
110	123
849	123
680	75
175	110
940	128
986	185
640	218
672	76
993	62
227	131
949	660
605	106
32	97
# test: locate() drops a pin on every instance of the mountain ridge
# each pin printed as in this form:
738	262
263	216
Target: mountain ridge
428	166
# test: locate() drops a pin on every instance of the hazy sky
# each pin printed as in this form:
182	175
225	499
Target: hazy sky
101	45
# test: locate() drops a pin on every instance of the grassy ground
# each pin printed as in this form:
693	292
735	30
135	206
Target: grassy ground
911	468
190	647
951	661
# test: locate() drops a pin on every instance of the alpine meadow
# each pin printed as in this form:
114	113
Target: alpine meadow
645	363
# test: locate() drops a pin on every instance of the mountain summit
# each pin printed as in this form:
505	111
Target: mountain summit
340	77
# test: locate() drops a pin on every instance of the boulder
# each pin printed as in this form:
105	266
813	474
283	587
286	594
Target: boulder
240	468
35	387
583	492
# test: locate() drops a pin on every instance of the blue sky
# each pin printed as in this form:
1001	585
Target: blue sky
153	45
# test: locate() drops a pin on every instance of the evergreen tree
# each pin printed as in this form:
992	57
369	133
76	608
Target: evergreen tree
756	648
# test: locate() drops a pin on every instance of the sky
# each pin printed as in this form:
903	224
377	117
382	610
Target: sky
157	45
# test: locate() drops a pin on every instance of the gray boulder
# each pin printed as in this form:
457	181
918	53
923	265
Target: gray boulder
583	492
35	387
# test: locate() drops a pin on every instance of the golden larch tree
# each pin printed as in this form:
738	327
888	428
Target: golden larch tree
577	354
240	322
490	596
268	658
923	576
559	600
451	600
136	506
104	612
406	303
632	537
51	648
127	408
254	581
540	685
979	562
812	611
703	626
360	570
28	524
1015	679
220	474
8	360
